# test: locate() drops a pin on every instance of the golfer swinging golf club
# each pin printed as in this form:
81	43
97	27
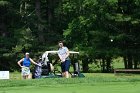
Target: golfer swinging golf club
26	66
63	54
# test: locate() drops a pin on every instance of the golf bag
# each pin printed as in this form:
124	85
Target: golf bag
42	69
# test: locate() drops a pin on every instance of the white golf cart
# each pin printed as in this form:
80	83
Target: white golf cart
50	70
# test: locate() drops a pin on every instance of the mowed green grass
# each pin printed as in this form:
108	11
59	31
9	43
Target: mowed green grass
92	83
97	88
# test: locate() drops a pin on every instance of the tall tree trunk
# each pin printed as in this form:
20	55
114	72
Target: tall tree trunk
103	65
3	29
108	64
50	14
37	8
135	62
40	26
130	64
85	64
125	62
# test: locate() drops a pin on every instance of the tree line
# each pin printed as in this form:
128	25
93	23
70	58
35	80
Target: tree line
99	29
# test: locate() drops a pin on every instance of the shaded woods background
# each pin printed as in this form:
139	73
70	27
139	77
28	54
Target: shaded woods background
87	26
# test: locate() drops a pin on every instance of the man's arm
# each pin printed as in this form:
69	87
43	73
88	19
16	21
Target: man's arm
19	62
60	57
67	53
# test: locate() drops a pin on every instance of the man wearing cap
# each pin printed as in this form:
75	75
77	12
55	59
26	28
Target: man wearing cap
26	66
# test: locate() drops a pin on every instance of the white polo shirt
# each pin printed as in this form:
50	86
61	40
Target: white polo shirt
63	52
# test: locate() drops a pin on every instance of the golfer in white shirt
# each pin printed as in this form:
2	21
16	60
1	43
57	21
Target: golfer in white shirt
63	54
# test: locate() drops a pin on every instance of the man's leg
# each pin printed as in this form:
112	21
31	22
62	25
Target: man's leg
63	74
63	69
66	74
67	67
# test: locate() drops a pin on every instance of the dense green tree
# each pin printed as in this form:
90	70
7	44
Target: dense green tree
99	29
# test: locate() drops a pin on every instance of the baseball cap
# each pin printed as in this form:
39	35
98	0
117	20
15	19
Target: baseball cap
26	53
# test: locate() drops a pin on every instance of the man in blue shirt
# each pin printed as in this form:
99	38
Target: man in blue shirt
63	54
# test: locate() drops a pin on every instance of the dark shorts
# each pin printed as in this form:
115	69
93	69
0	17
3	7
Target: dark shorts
65	66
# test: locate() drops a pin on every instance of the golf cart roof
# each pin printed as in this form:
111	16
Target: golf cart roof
45	54
55	52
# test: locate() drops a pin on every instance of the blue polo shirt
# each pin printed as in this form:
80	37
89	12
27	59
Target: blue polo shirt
26	62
